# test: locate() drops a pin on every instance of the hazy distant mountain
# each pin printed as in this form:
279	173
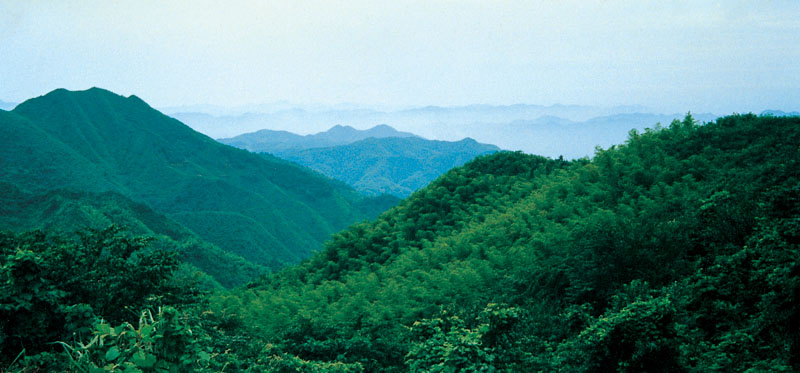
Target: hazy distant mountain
393	165
7	105
374	161
266	210
278	141
555	136
779	113
559	130
426	121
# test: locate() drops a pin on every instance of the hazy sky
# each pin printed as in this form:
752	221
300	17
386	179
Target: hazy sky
718	56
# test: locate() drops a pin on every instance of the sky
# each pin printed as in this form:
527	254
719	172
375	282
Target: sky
672	56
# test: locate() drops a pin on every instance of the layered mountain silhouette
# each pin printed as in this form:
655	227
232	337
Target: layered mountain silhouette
270	141
379	160
392	165
780	113
261	208
570	131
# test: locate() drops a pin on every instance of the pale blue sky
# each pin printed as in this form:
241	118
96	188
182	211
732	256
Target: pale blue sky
673	56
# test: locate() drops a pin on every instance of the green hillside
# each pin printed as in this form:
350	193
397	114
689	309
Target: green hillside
674	252
66	211
264	209
389	165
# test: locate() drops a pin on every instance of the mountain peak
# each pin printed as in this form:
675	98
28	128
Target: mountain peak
383	126
92	97
340	129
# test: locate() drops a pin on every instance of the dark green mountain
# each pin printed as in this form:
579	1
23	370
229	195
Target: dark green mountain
268	141
264	209
391	165
677	251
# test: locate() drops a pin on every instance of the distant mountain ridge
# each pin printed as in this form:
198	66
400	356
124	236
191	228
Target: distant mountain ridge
276	141
7	105
554	136
528	128
263	209
780	113
391	165
422	121
375	161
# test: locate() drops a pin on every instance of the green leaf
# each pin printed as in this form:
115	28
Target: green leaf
146	331
104	328
112	353
143	359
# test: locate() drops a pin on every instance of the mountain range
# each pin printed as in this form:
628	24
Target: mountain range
82	148
269	141
420	120
394	165
780	113
570	131
553	136
379	160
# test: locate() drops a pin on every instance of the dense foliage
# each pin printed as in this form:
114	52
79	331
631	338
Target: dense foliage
677	251
63	148
55	287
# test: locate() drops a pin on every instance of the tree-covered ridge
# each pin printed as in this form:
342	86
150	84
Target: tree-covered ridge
380	160
391	165
264	209
675	251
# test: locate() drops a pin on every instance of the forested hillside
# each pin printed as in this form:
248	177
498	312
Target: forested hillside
65	211
263	209
677	251
392	165
380	160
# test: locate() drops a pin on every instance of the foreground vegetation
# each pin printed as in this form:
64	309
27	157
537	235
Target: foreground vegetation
677	251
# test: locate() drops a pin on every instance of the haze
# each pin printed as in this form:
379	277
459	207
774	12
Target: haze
711	56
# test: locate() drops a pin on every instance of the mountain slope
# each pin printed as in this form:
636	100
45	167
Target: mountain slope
392	165
268	141
66	211
676	251
267	210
